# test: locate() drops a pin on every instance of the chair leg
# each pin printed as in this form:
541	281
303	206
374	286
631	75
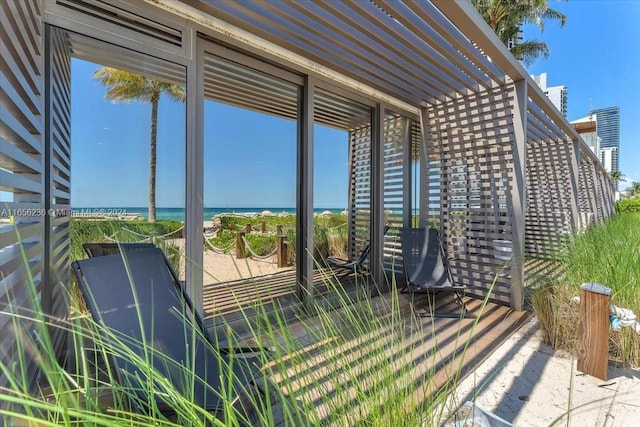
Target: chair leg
463	314
465	311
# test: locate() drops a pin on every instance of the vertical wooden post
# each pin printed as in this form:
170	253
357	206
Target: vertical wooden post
264	226
518	203
593	343
282	252
240	249
248	228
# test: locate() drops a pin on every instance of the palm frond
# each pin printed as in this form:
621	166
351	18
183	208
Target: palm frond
505	17
530	50
123	86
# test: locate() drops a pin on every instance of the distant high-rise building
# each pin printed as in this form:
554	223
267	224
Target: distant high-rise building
587	128
609	134
606	157
556	94
517	39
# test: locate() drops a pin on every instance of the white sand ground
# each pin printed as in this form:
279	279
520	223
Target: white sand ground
527	383
219	267
225	267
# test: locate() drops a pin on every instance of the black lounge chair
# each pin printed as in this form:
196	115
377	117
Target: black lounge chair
356	265
100	249
426	270
137	296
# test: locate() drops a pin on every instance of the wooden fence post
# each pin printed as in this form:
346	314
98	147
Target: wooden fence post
593	342
248	228
240	249
282	252
264	226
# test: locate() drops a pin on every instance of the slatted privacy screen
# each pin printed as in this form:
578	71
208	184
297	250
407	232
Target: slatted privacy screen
131	18
22	179
241	86
587	188
598	194
58	190
549	196
339	112
396	142
359	189
470	164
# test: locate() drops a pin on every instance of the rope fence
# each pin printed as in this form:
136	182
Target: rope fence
255	255
619	317
215	248
243	247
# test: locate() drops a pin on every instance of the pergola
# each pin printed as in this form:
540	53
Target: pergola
450	114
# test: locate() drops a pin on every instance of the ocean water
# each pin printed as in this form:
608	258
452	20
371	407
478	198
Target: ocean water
178	214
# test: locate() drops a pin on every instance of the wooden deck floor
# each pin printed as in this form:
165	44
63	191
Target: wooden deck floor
333	371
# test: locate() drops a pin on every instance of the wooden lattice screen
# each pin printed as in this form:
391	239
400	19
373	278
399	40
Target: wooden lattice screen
468	187
58	187
22	178
35	176
587	187
397	132
360	189
549	196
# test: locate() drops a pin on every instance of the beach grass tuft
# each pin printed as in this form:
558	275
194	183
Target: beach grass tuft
608	254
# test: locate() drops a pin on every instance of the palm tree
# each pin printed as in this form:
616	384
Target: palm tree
506	17
123	86
634	190
616	176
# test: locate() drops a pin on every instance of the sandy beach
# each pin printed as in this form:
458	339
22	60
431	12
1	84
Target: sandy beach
224	267
528	383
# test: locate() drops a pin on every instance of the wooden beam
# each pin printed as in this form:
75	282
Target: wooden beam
518	192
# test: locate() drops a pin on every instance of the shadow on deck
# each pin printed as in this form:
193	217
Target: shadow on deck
344	357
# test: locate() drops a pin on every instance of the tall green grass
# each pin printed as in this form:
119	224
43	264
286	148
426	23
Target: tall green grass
608	254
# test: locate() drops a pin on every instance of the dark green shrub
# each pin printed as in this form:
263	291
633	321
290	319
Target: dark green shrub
91	231
261	244
628	205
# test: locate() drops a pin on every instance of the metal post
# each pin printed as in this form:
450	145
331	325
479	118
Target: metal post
574	173
304	196
195	175
407	176
595	193
424	167
518	192
377	197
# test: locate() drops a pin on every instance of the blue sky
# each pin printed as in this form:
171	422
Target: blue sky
597	56
249	158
